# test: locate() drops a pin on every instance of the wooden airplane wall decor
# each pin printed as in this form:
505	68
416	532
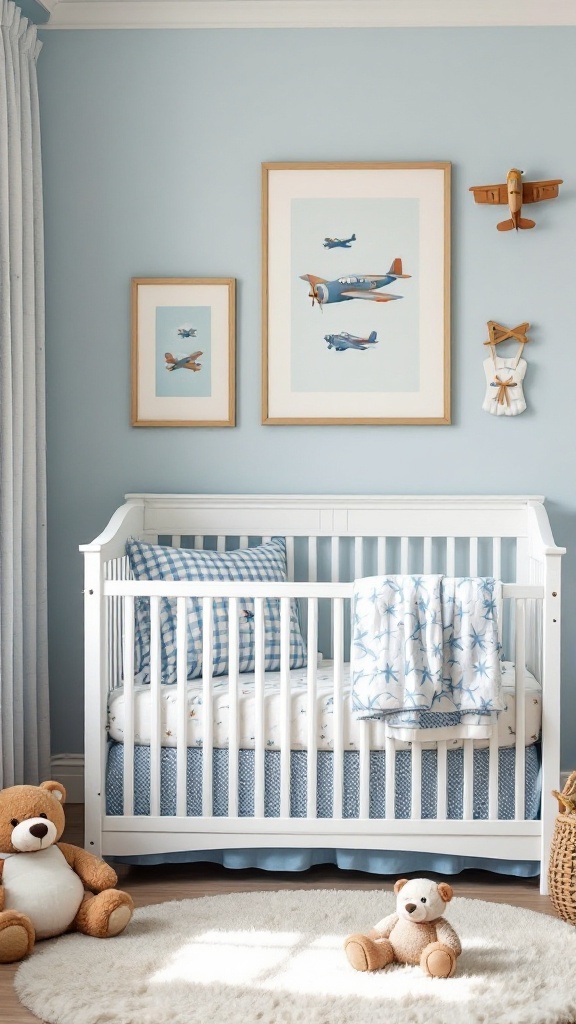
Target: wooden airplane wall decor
515	192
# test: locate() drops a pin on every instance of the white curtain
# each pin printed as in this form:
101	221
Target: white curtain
24	719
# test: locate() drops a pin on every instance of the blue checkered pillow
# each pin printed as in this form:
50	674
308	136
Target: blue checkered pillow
264	563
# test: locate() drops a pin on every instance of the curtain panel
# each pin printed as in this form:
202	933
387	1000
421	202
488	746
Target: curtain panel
24	712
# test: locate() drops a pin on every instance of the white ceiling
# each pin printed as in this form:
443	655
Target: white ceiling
72	14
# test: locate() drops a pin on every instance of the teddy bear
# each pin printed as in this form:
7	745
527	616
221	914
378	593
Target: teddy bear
47	887
416	933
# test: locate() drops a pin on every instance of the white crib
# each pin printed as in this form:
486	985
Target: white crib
331	540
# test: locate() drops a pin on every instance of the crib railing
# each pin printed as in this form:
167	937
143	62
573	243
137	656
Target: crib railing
521	603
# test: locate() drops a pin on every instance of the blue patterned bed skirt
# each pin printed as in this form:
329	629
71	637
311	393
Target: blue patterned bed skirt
298	778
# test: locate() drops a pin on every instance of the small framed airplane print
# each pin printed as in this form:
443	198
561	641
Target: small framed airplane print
183	352
356	293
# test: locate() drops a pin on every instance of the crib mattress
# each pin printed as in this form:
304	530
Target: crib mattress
325	784
298	713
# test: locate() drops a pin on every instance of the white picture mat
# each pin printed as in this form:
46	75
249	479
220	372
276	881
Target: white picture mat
153	407
428	187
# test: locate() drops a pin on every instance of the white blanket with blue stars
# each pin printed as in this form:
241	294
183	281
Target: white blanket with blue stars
426	654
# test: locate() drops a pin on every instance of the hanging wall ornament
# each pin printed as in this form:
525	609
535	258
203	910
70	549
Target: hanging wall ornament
504	392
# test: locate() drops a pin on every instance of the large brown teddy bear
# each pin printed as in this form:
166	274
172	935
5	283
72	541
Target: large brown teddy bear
416	934
43	882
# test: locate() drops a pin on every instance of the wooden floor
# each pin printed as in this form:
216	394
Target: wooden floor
186	881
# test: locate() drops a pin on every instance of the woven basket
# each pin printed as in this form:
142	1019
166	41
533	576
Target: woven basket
562	867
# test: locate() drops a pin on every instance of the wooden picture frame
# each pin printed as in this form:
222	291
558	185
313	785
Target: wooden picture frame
183	352
335	235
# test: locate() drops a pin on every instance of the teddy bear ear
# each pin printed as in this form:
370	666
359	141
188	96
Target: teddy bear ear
399	884
445	891
56	789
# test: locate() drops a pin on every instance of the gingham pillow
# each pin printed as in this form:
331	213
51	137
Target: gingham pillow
267	562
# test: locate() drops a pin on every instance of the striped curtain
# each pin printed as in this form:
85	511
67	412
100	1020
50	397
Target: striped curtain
24	717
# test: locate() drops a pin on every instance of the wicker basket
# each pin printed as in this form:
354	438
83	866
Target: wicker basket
562	867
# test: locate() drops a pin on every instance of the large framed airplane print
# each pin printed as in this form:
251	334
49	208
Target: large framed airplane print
356	293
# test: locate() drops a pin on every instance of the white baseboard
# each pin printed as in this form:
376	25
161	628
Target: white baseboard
69	770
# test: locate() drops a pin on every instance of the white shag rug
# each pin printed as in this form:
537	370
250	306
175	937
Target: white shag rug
278	958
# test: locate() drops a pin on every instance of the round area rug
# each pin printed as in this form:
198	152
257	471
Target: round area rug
278	958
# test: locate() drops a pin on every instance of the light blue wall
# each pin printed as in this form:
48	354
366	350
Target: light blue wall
152	148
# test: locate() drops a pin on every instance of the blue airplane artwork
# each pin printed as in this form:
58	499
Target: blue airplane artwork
187	332
361	286
185	363
339	243
342	341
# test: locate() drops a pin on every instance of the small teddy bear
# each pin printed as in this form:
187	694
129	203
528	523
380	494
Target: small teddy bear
43	882
416	933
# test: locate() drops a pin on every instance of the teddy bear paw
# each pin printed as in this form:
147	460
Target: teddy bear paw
366	954
438	960
16	936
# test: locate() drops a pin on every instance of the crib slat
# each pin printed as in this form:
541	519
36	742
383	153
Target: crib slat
467	803
199	542
338	616
312	559
404	550
181	707
312	709
335	560
284	707
427	556
207	706
220	544
129	706
450	556
497	558
259	707
390	778
233	650
381	555
176	540
493	774
473	549
441	756
244	542
290	557
520	665
416	781
155	706
364	808
358	557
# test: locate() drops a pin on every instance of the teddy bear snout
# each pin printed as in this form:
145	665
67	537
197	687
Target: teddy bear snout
38	830
409	907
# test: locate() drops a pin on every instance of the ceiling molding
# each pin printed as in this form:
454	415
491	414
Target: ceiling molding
210	14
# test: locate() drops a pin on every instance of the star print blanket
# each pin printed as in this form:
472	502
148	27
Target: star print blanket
426	654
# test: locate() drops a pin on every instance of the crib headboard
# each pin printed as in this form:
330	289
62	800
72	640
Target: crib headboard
343	537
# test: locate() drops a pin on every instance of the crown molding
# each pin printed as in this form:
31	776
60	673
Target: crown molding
210	14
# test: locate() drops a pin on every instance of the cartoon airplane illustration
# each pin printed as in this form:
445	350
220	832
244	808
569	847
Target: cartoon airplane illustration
187	332
339	243
515	192
186	363
361	287
342	341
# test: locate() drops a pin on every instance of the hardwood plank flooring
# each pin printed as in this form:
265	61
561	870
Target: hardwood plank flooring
159	884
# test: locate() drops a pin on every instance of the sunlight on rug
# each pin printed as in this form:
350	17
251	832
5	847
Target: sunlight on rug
271	957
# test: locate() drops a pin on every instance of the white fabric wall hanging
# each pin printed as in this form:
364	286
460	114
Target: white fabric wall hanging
504	376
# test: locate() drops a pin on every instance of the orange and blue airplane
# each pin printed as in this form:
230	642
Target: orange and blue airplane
186	363
342	341
361	286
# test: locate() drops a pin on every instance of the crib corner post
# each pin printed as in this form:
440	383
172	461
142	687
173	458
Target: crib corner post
551	680
94	701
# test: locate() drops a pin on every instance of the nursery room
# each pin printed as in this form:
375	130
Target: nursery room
287	560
